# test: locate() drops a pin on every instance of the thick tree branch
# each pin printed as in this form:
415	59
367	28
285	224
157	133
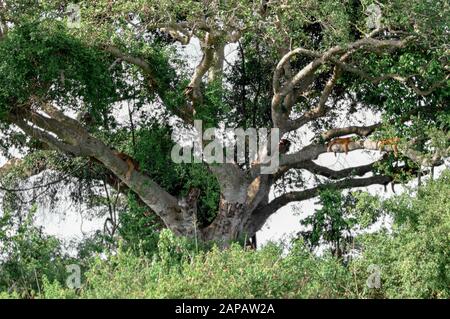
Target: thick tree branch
261	215
116	52
193	90
314	168
320	109
150	76
307	74
78	142
333	174
321	58
44	137
407	81
427	160
313	192
141	63
312	151
178	31
362	131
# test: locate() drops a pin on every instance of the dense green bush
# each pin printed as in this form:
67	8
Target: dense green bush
233	273
27	255
412	257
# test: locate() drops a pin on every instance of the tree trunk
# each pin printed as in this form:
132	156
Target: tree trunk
229	223
237	217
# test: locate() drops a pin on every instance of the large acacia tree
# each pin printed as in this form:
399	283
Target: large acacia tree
301	65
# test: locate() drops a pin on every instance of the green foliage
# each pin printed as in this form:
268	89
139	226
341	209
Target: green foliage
5	295
138	225
233	273
251	95
40	60
332	224
27	256
153	151
214	108
413	259
412	255
138	228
